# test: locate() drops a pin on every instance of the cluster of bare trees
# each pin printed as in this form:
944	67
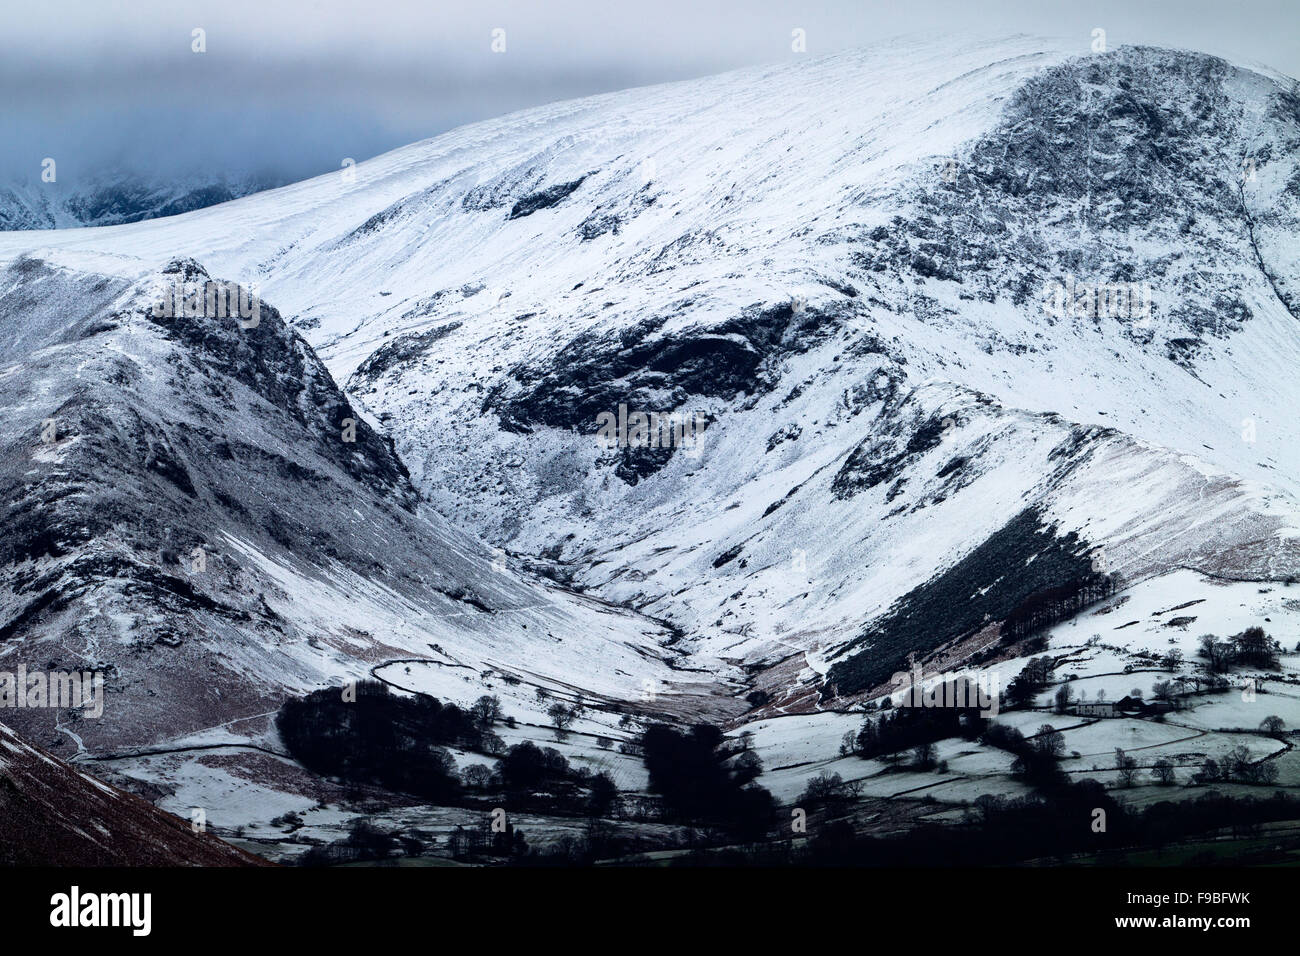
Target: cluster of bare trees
1033	677
1237	766
1251	648
829	791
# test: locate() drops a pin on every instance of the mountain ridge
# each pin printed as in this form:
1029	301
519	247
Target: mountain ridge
913	296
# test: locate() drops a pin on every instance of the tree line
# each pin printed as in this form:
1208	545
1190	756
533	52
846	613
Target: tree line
1050	606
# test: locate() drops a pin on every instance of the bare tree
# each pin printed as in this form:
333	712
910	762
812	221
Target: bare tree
561	717
923	756
1236	763
1050	742
1209	772
1163	771
1127	767
478	776
1272	724
486	711
1217	654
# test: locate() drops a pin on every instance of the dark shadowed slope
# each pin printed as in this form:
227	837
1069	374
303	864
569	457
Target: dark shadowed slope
53	815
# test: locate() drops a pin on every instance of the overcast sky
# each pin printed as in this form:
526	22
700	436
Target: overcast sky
294	87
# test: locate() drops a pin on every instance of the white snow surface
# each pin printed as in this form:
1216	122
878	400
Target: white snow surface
750	190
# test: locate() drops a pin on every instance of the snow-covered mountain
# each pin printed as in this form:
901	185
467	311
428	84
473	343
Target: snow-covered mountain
853	268
195	510
114	197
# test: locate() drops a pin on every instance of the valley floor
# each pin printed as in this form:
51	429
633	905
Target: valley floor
257	796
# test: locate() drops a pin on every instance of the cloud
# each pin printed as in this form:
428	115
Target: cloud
293	88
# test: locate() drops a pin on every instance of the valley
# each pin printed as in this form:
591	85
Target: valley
850	276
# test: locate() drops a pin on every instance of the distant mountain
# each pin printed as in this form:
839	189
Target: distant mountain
856	268
117	198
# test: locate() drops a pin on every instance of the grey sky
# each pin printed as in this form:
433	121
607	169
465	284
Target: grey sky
293	87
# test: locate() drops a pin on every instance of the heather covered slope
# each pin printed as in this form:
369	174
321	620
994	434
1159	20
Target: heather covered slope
53	815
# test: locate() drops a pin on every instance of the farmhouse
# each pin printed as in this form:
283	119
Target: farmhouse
1124	707
1097	708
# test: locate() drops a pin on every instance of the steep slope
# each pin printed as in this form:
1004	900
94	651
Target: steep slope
194	510
854	269
53	815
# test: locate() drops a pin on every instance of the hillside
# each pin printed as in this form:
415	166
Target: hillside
852	271
53	815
